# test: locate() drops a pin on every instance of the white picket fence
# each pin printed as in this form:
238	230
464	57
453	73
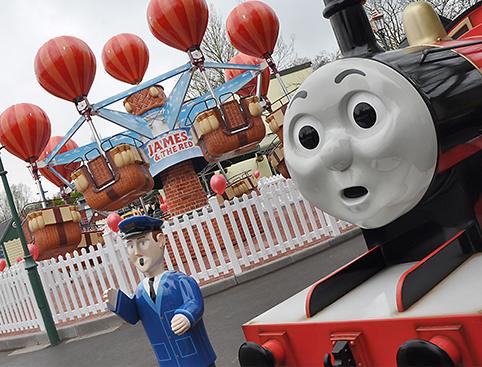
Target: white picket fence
216	242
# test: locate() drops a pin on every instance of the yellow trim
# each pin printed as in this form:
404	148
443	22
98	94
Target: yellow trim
465	22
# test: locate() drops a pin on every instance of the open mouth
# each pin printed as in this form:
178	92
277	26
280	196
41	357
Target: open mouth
354	192
141	261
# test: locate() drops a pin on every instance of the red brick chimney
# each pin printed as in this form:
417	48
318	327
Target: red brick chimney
183	188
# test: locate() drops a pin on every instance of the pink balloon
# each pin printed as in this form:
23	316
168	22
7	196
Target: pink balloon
3	264
218	184
113	220
33	250
256	174
164	207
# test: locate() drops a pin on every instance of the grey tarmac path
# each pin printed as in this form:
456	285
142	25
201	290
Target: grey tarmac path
224	314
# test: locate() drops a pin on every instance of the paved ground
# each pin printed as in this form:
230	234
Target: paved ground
225	312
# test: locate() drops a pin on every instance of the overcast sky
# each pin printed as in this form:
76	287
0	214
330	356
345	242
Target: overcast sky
26	24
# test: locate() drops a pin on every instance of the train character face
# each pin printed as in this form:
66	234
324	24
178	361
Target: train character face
360	142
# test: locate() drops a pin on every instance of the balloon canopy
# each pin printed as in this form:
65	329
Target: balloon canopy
24	131
125	57
178	23
218	184
250	88
63	170
65	67
253	28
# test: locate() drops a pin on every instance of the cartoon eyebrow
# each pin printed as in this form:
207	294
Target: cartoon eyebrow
339	78
301	94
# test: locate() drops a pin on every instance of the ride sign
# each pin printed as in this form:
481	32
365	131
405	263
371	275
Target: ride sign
170	148
169	144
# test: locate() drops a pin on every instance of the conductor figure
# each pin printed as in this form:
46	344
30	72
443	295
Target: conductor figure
169	304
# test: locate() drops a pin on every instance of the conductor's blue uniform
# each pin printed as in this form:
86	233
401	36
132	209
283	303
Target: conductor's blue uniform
176	293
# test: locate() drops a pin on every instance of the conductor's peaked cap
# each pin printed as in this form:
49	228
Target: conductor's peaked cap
139	224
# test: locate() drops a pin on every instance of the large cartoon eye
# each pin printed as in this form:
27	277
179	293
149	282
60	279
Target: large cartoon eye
308	133
365	115
309	137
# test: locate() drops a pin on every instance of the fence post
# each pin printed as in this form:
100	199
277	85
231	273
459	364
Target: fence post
218	213
111	250
332	223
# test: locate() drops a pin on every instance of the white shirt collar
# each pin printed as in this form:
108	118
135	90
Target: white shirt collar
157	279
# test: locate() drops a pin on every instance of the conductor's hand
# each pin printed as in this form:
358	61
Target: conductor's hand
110	298
180	324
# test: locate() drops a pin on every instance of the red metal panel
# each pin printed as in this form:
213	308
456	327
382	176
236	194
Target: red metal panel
377	340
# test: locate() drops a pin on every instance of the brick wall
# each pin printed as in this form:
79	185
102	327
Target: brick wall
183	190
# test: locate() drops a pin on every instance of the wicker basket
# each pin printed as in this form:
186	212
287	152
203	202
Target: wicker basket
276	119
145	100
240	187
55	230
277	160
91	238
130	179
240	133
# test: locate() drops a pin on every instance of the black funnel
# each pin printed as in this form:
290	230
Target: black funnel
352	28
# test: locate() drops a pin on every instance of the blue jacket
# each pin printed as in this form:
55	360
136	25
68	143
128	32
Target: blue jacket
177	293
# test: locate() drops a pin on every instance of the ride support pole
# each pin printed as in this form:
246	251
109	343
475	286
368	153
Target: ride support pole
31	266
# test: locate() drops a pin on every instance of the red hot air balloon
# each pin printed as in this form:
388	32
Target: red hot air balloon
253	28
24	131
3	264
65	67
178	23
64	171
250	88
218	184
125	57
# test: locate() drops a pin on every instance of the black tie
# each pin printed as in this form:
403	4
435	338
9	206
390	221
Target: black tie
152	293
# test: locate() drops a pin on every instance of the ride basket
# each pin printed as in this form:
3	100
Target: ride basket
277	160
233	129
109	183
54	228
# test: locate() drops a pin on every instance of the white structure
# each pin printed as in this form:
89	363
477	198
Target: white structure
279	217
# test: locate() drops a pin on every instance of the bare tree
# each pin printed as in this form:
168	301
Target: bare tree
22	195
217	47
319	60
394	34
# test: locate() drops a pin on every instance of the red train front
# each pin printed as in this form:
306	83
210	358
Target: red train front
390	141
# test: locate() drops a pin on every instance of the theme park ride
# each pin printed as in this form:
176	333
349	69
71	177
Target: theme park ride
25	132
161	132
